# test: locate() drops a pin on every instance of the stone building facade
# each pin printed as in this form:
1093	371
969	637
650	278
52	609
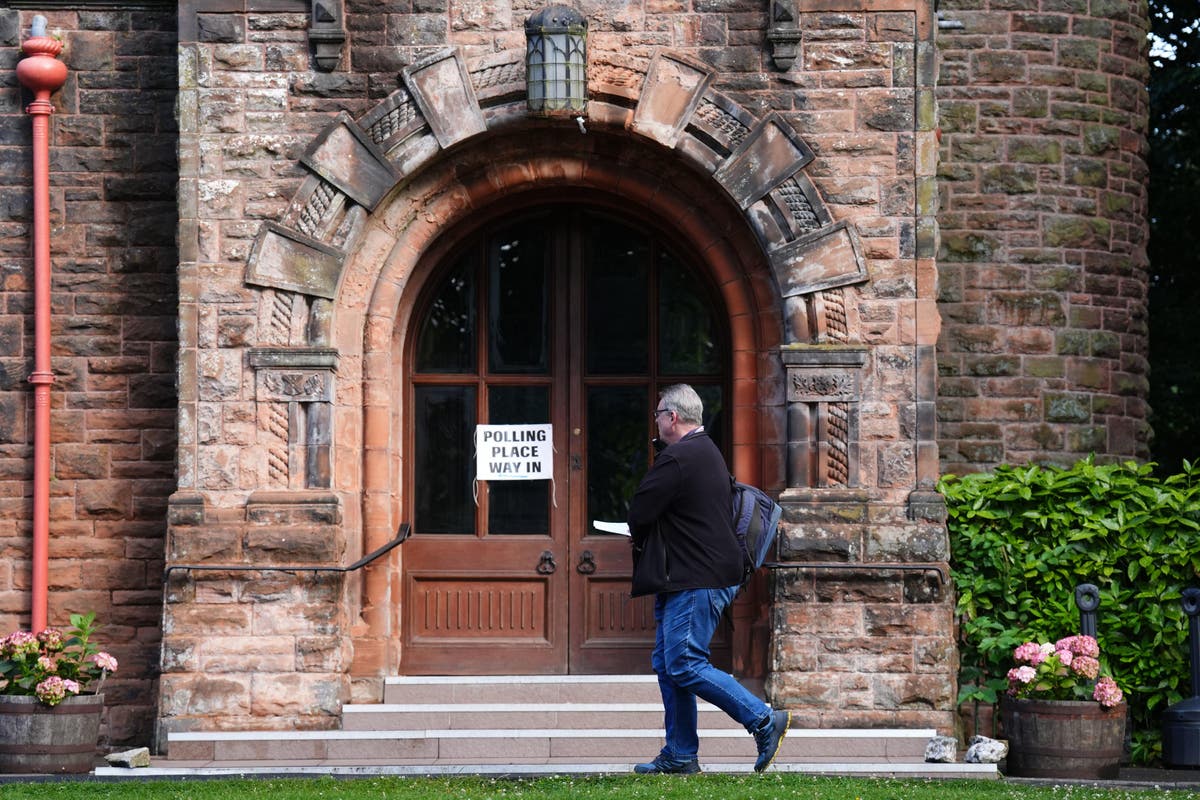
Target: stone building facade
1042	175
263	209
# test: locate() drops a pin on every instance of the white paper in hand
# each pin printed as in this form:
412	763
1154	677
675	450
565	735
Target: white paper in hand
619	528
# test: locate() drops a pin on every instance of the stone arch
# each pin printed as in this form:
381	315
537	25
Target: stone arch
446	103
335	270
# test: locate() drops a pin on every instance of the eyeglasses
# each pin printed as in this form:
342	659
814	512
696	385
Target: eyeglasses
658	411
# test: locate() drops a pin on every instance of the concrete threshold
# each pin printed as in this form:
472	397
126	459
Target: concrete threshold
263	770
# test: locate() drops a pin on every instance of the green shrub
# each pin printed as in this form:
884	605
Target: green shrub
1022	539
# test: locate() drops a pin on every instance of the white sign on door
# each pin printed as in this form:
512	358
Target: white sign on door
514	452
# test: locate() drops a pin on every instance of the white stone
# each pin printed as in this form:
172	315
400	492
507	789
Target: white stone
941	750
137	757
983	750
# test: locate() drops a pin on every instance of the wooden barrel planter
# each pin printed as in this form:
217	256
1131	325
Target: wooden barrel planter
36	738
1063	738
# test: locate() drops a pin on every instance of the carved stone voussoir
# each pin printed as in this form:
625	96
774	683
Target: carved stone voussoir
824	259
772	153
285	259
393	119
498	76
442	87
672	91
345	156
722	122
616	77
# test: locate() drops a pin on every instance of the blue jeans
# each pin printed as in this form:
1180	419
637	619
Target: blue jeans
686	622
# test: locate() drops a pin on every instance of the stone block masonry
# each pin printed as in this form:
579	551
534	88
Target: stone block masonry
113	221
831	161
240	235
1042	263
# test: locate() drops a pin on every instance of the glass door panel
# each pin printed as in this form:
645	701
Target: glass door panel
616	449
617	262
518	507
444	431
447	338
713	397
518	300
687	333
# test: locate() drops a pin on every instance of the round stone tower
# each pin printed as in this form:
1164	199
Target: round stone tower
1042	261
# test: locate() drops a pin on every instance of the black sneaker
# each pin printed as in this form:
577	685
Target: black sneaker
769	736
665	765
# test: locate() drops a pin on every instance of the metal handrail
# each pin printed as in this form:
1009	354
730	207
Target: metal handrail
403	533
910	566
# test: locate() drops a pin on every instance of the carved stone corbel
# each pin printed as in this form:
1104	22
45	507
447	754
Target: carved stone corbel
784	33
326	33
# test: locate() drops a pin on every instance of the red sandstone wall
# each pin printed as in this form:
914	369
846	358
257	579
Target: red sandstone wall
113	176
1042	268
860	95
1042	263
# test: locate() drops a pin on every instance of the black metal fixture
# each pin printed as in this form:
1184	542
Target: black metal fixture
1087	600
1181	722
556	61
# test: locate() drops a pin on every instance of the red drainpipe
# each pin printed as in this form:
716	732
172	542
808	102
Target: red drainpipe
41	73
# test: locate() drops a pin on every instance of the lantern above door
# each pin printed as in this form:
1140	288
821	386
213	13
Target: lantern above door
556	61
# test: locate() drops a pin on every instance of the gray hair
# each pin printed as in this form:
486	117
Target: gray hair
683	400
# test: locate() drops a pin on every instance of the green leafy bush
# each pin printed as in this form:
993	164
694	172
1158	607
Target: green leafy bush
1022	539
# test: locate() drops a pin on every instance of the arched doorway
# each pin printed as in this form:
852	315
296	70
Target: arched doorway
567	314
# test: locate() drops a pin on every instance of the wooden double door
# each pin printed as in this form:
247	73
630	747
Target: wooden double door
569	316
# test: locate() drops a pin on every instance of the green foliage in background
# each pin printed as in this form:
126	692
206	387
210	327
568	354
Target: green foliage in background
1022	539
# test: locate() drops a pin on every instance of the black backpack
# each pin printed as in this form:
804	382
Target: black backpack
755	521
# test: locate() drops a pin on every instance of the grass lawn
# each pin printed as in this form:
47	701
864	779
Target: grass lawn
626	787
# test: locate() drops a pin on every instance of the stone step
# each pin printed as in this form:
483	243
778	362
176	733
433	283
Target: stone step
461	716
522	689
529	725
491	746
172	768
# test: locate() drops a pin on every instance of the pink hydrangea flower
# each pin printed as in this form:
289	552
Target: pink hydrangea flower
51	691
54	663
1060	670
1021	675
105	661
1107	693
1086	666
1079	645
1029	653
19	644
52	639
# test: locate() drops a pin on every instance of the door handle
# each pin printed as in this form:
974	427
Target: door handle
546	565
587	563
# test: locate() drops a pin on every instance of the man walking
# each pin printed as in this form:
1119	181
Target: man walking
686	553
